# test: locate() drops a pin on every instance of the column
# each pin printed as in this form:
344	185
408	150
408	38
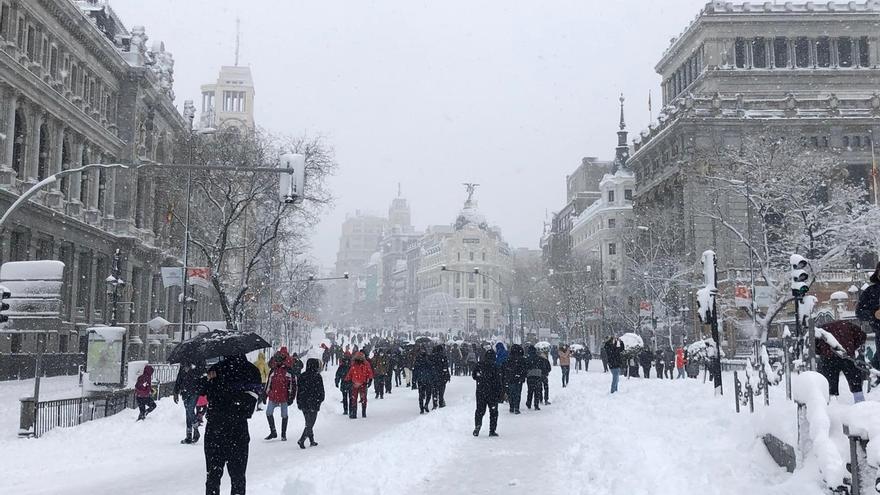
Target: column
792	53
835	55
770	50
33	149
7	175
55	199
812	50
74	207
94	182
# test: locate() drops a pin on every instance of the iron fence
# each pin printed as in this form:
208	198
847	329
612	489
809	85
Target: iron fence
64	413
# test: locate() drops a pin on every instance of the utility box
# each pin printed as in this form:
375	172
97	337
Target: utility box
104	358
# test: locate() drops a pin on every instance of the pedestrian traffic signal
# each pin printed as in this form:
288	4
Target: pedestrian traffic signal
4	306
799	275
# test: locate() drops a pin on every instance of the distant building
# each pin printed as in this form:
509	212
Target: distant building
230	101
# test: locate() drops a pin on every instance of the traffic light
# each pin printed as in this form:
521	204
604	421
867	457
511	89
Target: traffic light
799	275
291	183
4	306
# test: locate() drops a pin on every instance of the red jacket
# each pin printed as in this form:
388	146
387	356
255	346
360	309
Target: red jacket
359	373
143	387
280	387
849	335
679	358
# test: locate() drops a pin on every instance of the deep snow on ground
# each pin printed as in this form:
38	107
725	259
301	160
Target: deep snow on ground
59	387
655	436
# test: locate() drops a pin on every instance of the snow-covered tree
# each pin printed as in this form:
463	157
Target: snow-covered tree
801	200
237	222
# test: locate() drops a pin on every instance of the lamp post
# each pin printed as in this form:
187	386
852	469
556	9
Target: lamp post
115	282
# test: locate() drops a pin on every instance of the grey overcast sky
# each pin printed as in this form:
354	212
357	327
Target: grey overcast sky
510	94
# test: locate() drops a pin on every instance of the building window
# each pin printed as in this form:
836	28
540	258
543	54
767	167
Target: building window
458	256
471	278
612	275
43	156
484	256
457	278
863	52
740	53
18	246
31	43
845	52
780	52
610	196
612	248
823	52
4	21
19	145
612	223
802	53
485	293
628	193
759	53
471	256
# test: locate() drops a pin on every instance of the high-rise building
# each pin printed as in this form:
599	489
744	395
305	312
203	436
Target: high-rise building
230	101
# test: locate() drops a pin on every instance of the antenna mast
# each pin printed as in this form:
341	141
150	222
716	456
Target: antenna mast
237	38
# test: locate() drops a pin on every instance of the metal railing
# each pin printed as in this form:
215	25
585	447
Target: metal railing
64	413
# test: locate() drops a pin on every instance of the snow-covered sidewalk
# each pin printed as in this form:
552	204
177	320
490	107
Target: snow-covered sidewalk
655	436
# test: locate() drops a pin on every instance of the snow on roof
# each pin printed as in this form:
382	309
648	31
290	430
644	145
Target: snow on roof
32	270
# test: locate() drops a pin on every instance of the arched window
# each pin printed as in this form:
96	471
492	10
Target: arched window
19	146
43	157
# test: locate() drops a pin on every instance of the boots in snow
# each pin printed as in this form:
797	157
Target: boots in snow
493	434
477	430
363	410
196	434
272	433
345	408
188	439
301	442
283	429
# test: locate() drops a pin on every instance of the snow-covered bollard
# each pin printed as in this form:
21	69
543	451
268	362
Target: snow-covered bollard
861	423
810	391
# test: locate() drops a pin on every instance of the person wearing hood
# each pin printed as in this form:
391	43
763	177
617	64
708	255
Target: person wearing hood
545	377
646	357
232	387
424	378
380	370
514	375
281	358
187	385
360	375
565	364
341	384
309	399
614	355
280	390
263	366
659	364
441	376
487	374
471	359
534	379
680	362
500	354
143	391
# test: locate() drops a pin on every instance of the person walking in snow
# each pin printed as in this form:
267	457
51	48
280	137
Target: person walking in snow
341	384
380	369
360	375
578	357
834	361
187	385
868	310
614	355
565	364
487	374
310	395
514	375
669	359
604	357
397	367
424	378
646	358
280	391
500	354
534	379
143	392
471	360
545	377
263	366
441	376
680	362
554	353
232	387
659	363
588	355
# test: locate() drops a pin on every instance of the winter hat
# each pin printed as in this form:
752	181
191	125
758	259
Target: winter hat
313	365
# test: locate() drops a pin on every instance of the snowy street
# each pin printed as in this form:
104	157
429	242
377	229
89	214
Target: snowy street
655	436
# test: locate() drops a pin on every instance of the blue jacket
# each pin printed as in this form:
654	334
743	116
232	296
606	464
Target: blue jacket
500	354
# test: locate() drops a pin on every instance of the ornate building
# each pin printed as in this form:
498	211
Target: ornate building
812	69
230	101
459	300
79	88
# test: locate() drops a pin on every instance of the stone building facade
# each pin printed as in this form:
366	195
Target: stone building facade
812	69
77	87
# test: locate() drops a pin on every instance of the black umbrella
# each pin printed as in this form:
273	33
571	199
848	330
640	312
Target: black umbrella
214	344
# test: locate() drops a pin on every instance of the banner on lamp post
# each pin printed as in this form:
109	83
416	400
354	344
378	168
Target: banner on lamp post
172	276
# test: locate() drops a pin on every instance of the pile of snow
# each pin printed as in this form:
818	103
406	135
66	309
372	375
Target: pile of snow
811	388
631	341
863	419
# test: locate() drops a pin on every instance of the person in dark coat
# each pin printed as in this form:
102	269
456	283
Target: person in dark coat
588	355
545	376
614	355
381	368
396	367
868	310
310	395
604	359
487	374
441	376
187	386
646	358
423	378
832	363
514	375
232	387
659	363
341	384
500	354
534	379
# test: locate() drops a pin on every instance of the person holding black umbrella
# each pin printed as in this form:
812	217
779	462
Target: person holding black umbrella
187	385
232	387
